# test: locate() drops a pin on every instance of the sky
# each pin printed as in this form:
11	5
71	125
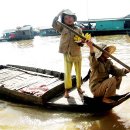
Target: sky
39	13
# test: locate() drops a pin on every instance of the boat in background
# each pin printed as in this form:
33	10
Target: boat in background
48	32
106	26
20	33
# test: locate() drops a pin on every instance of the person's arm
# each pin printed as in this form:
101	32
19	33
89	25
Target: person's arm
80	42
89	43
93	60
115	71
56	25
127	71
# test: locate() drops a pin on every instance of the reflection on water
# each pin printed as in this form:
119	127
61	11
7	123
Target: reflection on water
25	44
43	53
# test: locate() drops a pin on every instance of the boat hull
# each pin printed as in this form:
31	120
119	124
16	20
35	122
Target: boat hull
107	32
90	105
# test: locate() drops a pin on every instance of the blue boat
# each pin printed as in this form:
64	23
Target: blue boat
48	32
106	26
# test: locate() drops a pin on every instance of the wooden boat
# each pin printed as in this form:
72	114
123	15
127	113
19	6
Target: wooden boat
35	86
29	85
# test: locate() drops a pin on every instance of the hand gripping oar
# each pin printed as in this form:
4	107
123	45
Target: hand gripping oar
84	38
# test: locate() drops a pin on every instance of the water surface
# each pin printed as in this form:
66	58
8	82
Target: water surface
43	53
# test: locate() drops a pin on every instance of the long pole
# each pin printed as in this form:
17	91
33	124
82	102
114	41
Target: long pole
114	58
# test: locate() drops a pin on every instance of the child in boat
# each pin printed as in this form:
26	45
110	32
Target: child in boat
100	82
69	48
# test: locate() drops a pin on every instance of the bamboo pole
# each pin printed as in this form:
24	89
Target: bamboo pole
114	58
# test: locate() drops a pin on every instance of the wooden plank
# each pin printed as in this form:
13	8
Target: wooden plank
4	71
37	89
34	81
21	97
12	79
15	80
9	75
31	72
12	84
75	98
40	87
18	82
52	85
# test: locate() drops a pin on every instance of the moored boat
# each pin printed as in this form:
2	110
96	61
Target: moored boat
20	33
48	32
108	26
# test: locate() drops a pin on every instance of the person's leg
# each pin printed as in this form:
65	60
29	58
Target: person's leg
106	89
67	77
77	65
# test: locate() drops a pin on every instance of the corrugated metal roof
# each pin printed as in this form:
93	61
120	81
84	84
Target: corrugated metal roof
9	30
46	29
24	28
128	16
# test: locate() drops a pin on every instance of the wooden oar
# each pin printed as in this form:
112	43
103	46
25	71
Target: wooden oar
114	58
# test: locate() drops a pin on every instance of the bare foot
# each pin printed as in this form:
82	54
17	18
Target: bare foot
80	91
66	95
107	100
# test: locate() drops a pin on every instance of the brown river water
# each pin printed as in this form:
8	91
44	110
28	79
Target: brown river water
43	53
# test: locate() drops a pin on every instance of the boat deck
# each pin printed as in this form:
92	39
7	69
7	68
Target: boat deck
16	81
75	97
85	102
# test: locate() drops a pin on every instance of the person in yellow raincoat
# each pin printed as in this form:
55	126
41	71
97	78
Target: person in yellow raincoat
69	48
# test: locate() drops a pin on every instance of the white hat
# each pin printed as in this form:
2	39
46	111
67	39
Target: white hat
68	12
110	49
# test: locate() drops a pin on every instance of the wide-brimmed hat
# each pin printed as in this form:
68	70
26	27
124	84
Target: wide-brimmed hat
68	12
110	49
